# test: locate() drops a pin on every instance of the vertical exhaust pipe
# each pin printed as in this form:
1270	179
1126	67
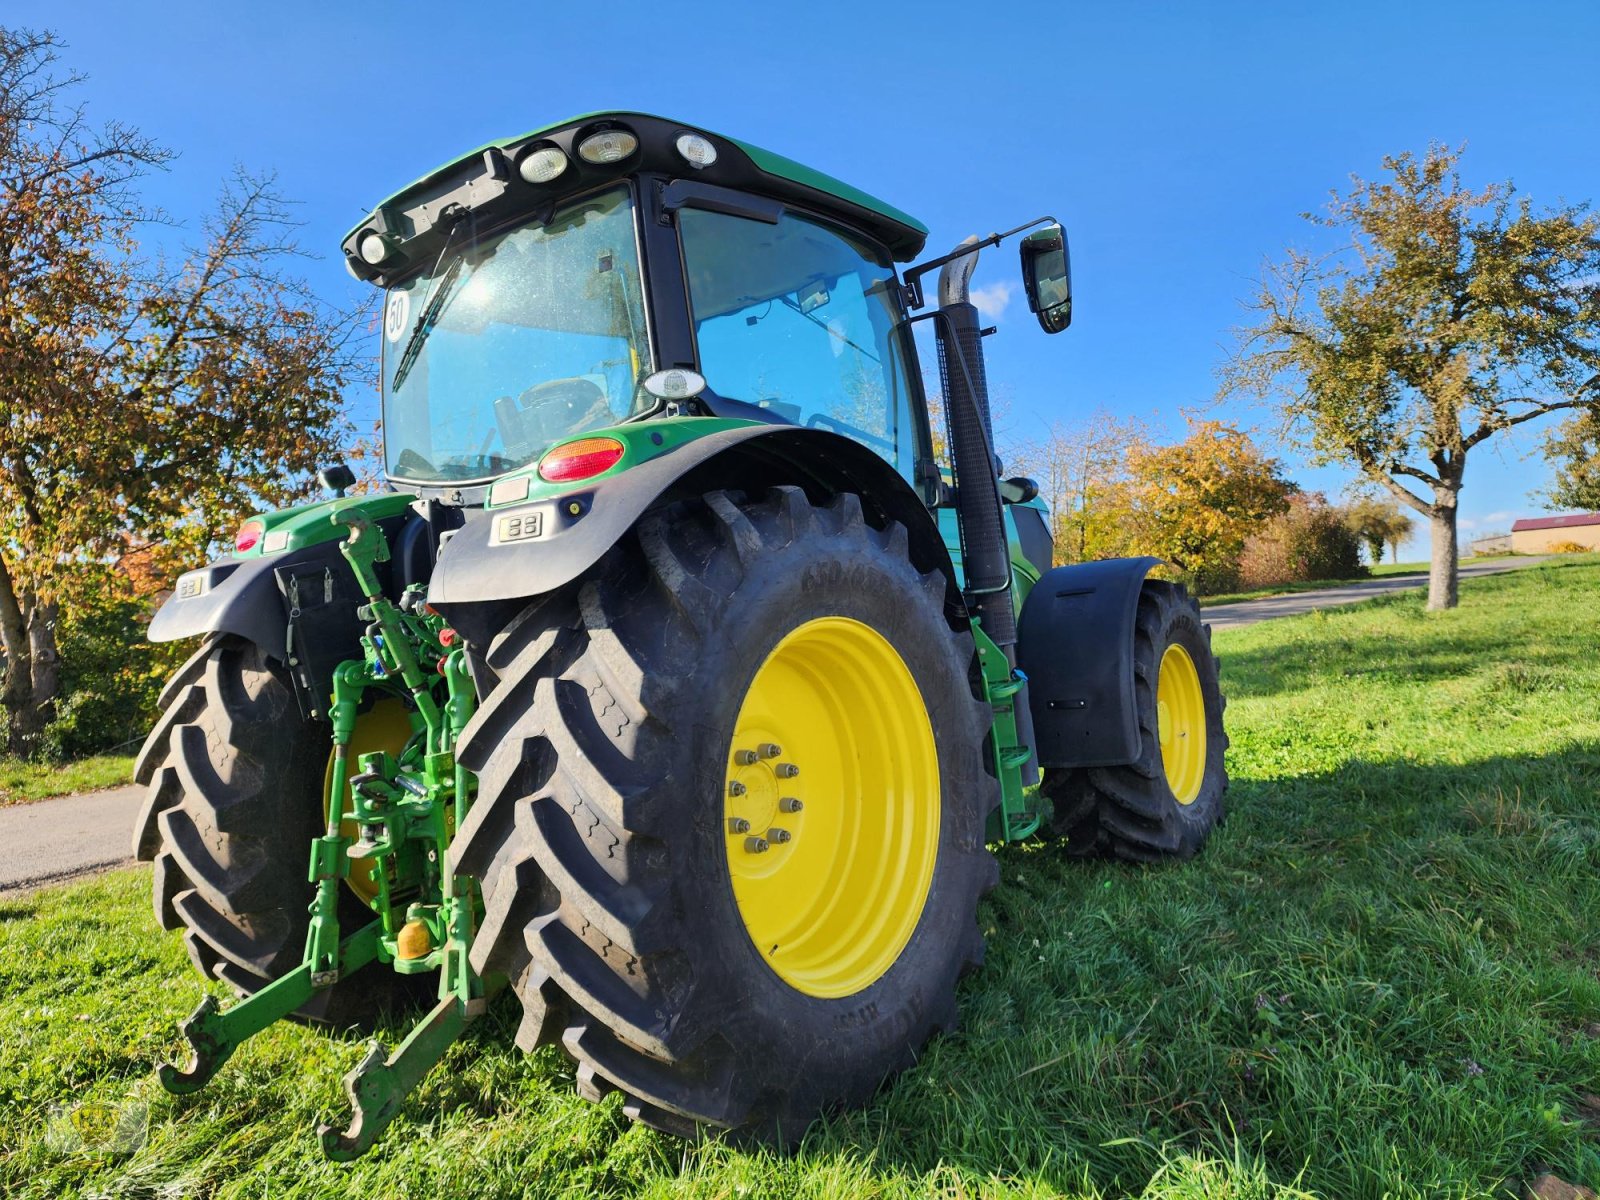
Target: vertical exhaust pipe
986	559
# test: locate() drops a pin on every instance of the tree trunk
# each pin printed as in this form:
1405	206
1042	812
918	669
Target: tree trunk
46	668
16	686
1442	583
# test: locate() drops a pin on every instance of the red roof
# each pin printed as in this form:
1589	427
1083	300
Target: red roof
1566	522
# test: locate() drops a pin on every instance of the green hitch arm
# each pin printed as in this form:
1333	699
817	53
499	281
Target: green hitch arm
214	1034
379	1084
329	864
366	546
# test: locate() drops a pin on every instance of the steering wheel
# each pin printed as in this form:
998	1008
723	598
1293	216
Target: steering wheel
549	411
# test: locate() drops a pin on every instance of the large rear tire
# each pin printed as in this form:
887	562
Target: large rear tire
1166	802
235	797
622	896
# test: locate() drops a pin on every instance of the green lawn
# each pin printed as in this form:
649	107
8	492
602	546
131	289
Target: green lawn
21	781
1380	979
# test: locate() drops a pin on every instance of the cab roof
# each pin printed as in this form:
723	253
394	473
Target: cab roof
739	164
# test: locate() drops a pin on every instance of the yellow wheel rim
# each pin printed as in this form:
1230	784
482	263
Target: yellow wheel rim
1181	720
831	807
385	726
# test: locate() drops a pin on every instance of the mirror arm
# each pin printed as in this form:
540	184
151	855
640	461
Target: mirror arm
911	282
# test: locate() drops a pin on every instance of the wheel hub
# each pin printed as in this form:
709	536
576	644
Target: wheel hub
1181	724
831	807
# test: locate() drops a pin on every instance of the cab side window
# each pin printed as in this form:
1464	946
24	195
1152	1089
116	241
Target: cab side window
800	319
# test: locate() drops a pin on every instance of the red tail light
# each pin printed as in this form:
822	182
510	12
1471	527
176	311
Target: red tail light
582	459
249	534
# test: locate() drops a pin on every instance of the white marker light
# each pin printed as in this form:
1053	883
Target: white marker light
543	165
675	384
697	151
374	247
509	490
607	146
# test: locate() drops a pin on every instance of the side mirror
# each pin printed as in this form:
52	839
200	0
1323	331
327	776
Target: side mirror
337	478
1047	277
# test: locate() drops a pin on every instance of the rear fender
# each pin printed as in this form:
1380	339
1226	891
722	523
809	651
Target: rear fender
1075	643
492	559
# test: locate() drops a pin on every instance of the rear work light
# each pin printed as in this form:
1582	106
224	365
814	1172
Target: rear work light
249	534
582	459
607	146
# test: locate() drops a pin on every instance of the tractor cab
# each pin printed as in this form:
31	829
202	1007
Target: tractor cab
620	268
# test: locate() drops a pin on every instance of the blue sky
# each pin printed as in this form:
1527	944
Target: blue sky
1179	143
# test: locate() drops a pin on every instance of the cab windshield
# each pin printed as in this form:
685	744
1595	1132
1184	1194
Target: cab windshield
513	343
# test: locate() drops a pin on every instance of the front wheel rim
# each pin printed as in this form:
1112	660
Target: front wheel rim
831	807
1181	721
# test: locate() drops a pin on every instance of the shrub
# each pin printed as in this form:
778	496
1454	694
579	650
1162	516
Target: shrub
1567	548
110	676
1214	579
1312	541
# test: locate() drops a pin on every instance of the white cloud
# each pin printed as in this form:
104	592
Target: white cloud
991	301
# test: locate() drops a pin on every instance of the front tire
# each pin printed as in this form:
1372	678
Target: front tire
234	797
607	835
1166	802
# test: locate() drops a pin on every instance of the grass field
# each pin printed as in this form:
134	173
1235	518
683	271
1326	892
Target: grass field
21	782
1380	979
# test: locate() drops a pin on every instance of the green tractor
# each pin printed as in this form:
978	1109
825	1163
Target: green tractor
672	684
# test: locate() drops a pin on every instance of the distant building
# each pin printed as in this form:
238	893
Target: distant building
1535	535
1494	543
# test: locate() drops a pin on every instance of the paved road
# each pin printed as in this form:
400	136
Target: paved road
50	841
1248	612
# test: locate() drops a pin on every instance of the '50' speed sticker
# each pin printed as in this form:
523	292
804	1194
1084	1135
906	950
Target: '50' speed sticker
395	314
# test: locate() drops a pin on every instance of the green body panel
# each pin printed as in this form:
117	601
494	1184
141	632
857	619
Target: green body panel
308	524
765	160
641	442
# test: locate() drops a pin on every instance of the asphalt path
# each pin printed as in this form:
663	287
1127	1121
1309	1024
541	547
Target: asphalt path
1248	612
52	841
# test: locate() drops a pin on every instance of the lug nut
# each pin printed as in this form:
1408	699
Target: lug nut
777	836
755	845
789	804
745	758
769	749
735	788
738	825
787	770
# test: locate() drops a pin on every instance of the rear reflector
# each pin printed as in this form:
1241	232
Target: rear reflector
582	459
249	534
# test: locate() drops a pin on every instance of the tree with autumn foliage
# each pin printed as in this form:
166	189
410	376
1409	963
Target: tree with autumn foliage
1377	523
1196	502
142	407
1447	316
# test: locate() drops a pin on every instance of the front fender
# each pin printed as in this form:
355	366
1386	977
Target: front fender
1075	643
239	596
529	549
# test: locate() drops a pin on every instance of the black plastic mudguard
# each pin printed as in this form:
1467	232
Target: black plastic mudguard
485	560
1075	643
250	597
233	596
